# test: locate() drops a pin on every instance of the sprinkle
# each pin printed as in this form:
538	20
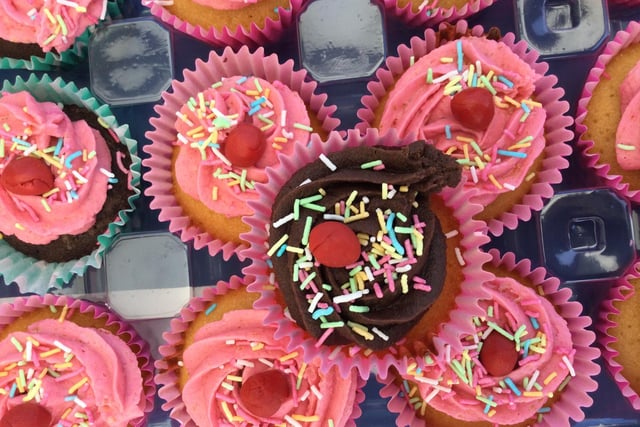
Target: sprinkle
277	245
460	55
210	309
626	147
77	385
328	163
17	344
512	154
303	127
550	378
459	256
63	315
566	361
371	164
512	386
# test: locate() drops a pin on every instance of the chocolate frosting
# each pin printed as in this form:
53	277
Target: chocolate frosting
373	316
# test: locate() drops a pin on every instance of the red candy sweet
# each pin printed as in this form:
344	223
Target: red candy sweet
263	393
333	244
27	176
26	415
473	108
244	145
498	355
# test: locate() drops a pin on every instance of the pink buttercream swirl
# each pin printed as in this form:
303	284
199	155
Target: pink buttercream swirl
203	123
628	133
52	24
497	159
79	160
459	385
244	347
73	372
227	4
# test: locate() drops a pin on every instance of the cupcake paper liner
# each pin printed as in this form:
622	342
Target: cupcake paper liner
21	305
622	39
574	396
345	357
233	37
430	16
167	376
557	123
38	276
621	291
230	63
72	56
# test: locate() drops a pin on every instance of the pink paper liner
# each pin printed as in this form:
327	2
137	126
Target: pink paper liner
436	15
575	395
233	37
21	305
557	132
346	357
622	290
167	376
622	39
229	63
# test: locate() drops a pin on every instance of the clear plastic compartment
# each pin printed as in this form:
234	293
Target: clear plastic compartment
581	221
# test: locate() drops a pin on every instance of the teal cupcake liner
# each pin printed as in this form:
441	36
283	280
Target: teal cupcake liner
37	276
72	56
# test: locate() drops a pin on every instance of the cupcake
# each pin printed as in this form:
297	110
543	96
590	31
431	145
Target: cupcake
350	248
229	22
222	366
46	34
617	320
214	135
67	361
529	360
607	113
68	176
424	12
486	102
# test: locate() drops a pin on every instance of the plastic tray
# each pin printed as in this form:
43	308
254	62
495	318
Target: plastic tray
568	33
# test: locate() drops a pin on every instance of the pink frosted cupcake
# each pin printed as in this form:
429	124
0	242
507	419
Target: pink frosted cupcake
227	22
222	366
351	265
617	327
46	34
528	361
69	359
486	102
607	114
430	12
215	134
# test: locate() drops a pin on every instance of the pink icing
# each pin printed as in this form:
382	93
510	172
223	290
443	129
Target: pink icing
40	126
227	4
244	346
39	21
419	103
545	356
103	374
628	133
202	171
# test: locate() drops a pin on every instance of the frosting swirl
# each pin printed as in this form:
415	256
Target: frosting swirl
496	159
204	124
77	156
73	372
628	134
245	349
462	384
49	23
382	195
